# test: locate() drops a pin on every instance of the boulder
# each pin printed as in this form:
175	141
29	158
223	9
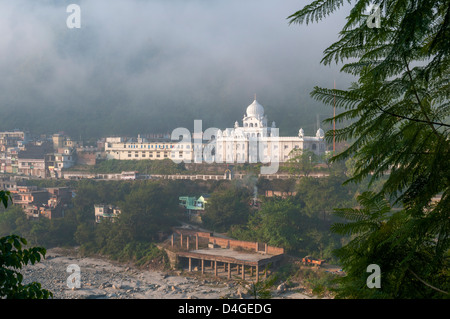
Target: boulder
281	287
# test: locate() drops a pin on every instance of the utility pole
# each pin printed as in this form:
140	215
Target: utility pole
334	119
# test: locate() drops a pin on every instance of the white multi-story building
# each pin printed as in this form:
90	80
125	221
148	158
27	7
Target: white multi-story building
141	148
255	141
252	142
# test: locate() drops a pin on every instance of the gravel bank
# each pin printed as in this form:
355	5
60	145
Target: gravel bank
103	279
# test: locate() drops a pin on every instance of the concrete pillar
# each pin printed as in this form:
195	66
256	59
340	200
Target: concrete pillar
257	273
243	272
181	240
190	264
215	268
171	240
266	248
237	269
196	241
187	242
229	271
203	266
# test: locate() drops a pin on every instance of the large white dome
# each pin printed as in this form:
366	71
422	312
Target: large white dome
255	109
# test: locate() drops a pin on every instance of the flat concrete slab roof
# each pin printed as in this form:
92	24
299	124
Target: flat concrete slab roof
239	255
230	255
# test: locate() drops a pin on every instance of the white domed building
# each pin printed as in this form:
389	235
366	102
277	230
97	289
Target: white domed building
255	141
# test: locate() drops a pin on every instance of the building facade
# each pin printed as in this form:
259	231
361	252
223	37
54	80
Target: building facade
254	141
102	211
141	148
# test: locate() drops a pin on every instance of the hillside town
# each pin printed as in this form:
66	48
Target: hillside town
48	156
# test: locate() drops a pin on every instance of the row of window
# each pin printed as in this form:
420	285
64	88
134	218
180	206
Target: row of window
157	154
225	134
32	164
143	154
250	125
238	146
242	157
164	146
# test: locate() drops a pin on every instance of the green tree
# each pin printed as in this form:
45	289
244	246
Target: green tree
323	194
399	127
147	210
12	258
9	220
261	289
286	222
301	162
376	233
227	207
280	222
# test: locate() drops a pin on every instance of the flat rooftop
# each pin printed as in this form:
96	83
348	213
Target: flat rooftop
230	255
239	255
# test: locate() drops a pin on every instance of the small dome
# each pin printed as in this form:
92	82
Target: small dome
301	133
320	133
255	109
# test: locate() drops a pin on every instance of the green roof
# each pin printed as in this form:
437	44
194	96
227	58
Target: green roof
193	203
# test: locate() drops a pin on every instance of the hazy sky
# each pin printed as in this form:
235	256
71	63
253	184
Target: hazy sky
161	64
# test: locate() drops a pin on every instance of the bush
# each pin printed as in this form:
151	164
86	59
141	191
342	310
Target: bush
142	254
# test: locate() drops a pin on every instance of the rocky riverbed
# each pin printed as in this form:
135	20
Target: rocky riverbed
104	279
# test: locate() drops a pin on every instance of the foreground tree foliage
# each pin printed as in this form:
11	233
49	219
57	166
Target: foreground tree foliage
399	111
12	258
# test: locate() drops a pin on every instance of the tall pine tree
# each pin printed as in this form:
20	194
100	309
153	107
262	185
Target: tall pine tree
399	113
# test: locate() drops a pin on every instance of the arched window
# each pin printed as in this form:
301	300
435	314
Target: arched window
251	124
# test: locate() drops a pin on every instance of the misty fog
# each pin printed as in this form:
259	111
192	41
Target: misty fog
151	66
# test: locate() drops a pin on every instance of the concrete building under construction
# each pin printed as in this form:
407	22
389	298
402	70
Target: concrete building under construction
234	259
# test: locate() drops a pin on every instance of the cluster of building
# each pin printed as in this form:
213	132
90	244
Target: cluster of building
239	144
36	203
50	156
45	156
50	202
